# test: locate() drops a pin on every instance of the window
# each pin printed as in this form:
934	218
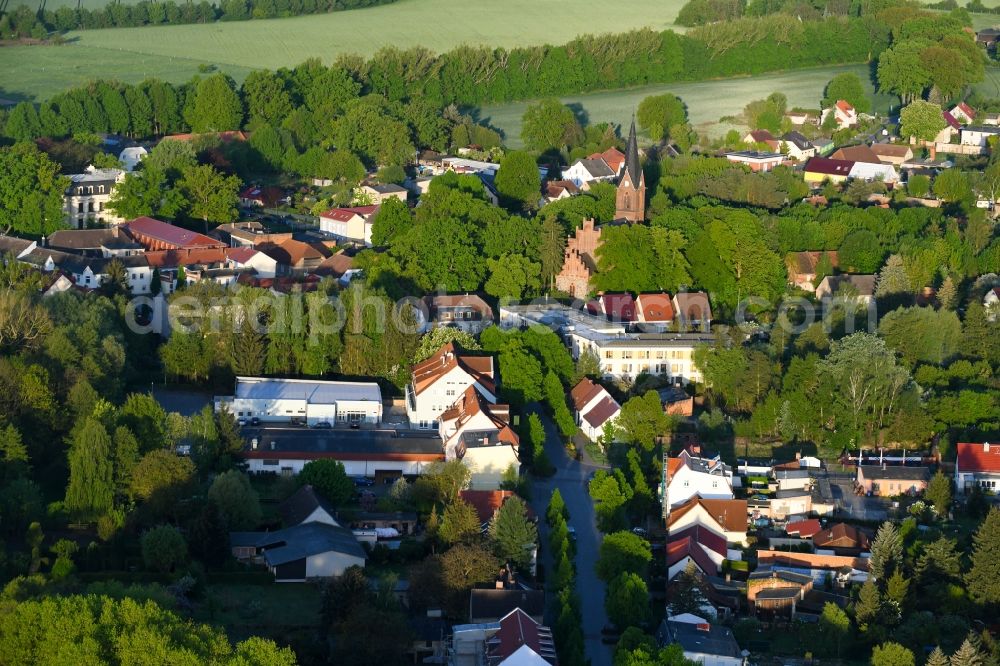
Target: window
100	189
609	354
90	189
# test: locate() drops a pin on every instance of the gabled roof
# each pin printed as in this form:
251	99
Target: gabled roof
167	233
486	502
242	255
613	157
335	265
492	602
804	528
798	139
266	195
444	360
844	106
185	257
703	535
301	541
860	153
950	120
604	410
584	392
692	305
829	167
655	307
618	306
899	150
761	136
472	403
966	109
979	457
688	546
347	213
864	284
89	239
301	505
517	629
841	535
730	514
596	168
291	252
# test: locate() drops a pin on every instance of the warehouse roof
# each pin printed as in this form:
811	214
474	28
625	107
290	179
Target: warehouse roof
314	392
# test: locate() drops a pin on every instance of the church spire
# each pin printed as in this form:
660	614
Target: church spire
632	167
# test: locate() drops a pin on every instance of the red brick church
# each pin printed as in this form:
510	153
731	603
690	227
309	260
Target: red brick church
580	257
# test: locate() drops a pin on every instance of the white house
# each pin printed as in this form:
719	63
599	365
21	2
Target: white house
379	194
796	146
86	199
687	476
247	258
844	113
725	517
882	172
353	224
594	408
440	380
963	113
978	464
697	544
977	135
589	170
306	401
479	434
130	157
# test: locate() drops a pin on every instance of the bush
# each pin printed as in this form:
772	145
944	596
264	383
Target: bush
163	548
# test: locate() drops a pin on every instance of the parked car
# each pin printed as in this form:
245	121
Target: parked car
322	425
241	422
255	421
638	531
363	481
572	533
355	422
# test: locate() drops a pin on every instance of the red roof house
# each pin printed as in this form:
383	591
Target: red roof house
978	464
156	235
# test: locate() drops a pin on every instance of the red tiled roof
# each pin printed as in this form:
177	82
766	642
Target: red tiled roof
730	514
841	535
241	255
584	392
951	120
678	550
761	136
335	265
185	257
486	502
620	307
804	528
966	109
699	533
602	411
291	252
167	233
427	372
655	307
978	457
517	629
613	157
844	106
345	214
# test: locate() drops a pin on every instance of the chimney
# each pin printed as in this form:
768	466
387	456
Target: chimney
986	447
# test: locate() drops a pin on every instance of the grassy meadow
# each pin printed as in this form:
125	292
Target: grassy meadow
707	101
174	52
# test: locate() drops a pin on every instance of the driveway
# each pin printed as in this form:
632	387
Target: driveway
571	480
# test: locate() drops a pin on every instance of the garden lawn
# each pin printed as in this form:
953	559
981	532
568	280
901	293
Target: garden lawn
174	52
707	101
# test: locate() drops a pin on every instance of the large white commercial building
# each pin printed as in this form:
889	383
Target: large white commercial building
623	354
304	401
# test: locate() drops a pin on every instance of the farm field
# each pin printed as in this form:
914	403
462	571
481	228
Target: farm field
174	52
707	101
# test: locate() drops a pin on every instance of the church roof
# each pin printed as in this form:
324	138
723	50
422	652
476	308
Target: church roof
632	166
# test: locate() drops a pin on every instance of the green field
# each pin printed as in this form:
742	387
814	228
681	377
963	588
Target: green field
174	52
707	101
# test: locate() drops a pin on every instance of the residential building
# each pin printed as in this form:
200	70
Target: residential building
791	502
622	353
590	170
440	380
895	154
594	408
107	243
977	135
616	307
756	160
495	603
306	506
842	539
844	114
797	117
963	113
468	312
303	400
249	259
248	234
796	146
693	309
802	267
90	272
858	153
654	312
951	128
841	568
698	545
630	197
131	156
488	502
294	257
823	169
860	287
676	401
703	643
614	158
874	171
339	266
304	552
514	640
762	137
379	194
792	479
775	593
687	476
479	434
725	517
978	464
156	235
892	480
804	529
256	196
579	260
560	189
86	199
384	455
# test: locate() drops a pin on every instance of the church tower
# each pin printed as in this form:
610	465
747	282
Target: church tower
630	200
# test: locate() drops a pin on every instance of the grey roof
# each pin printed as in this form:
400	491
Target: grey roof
597	168
632	167
865	284
389	188
84	239
368	443
895	472
299	542
715	639
785	494
314	392
754	154
799	139
494	603
13	244
300	506
983	129
779	593
791	473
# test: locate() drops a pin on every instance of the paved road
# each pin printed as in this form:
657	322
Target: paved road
571	479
